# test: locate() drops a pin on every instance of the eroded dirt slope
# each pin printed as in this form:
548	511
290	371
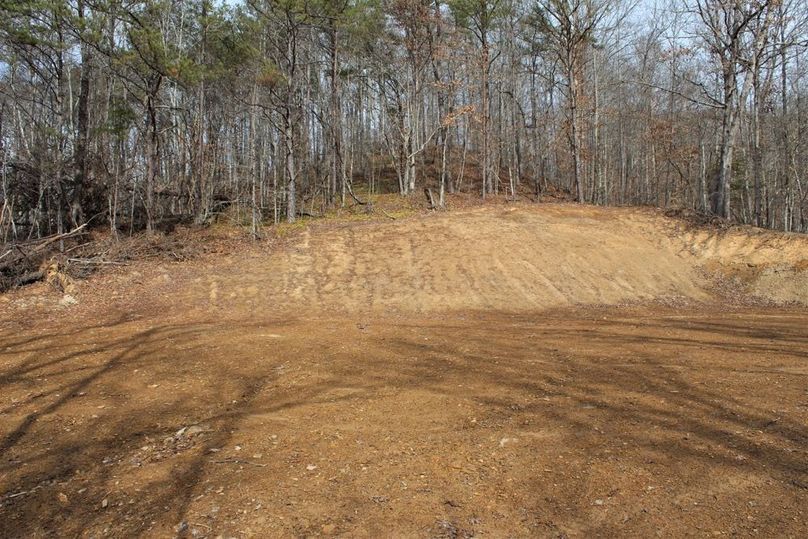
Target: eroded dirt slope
503	258
768	265
514	259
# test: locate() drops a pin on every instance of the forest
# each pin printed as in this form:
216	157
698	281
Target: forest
131	114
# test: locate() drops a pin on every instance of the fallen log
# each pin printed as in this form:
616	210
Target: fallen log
430	198
22	263
35	247
29	278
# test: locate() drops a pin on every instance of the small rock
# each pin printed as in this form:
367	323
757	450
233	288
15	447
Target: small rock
104	503
68	300
63	499
328	529
598	502
193	430
311	467
505	441
186	432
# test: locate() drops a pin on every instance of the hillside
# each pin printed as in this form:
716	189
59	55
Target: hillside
513	258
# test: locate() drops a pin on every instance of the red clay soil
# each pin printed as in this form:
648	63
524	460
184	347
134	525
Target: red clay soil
177	411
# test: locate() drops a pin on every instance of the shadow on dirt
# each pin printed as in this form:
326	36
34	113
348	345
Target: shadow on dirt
82	405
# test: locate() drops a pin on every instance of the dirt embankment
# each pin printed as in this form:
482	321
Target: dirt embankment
766	265
517	259
513	259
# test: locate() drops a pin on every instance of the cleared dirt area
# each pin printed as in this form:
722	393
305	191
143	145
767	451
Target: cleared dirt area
440	376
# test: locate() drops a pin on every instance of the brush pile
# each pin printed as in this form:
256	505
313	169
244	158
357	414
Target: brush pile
76	254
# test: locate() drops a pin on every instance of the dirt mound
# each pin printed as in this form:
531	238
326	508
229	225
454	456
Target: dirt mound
507	258
492	258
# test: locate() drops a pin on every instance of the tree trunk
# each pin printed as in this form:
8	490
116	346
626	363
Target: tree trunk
575	143
484	158
291	172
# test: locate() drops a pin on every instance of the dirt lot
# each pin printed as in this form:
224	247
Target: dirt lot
280	393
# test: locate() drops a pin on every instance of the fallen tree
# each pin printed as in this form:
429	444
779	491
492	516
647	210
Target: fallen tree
23	263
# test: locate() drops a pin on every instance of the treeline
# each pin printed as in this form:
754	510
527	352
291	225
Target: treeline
134	113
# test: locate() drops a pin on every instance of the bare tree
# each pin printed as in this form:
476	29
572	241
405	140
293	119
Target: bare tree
735	33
